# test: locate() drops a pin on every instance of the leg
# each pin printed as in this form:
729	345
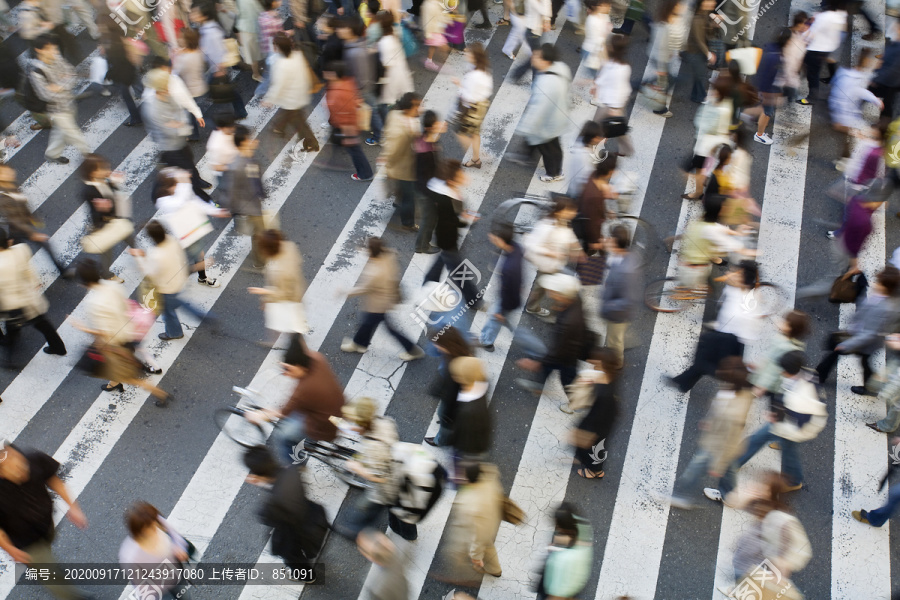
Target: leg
553	157
867	367
891	399
534	42
879	516
42	554
71	131
689	483
367	326
57	142
55	344
280	121
790	462
407	210
360	162
125	92
258	227
407	344
615	340
827	364
754	443
310	143
491	561
533	304
492	327
170	318
427	223
408	531
289	432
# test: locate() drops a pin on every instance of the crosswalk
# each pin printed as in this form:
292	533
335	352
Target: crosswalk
116	448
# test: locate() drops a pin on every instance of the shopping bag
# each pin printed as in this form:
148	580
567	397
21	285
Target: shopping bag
189	224
846	290
286	317
107	236
455	32
99	69
232	54
364	117
142	319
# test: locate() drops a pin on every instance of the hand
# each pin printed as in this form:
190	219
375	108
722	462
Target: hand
710	58
220	72
39	237
528	364
893	342
257	290
546	25
455	80
77	517
895	441
181	555
202	122
758	391
265	104
839	348
478	563
20	556
257	417
499	317
340	11
136	252
773	417
353	465
54	88
223	213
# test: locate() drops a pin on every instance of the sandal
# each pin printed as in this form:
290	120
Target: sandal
116	388
689	197
588	474
472	164
502	22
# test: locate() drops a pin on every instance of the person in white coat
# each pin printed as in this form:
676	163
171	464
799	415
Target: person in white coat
397	78
289	91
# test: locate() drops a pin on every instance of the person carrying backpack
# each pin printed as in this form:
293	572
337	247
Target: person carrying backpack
569	556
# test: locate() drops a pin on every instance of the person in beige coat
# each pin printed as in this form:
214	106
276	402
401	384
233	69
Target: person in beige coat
401	130
21	300
478	511
285	283
379	286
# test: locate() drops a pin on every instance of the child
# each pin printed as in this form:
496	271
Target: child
434	21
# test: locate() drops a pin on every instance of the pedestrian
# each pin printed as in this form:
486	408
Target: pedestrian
845	103
166	266
26	511
270	24
121	71
546	116
886	81
169	128
389	579
179	92
360	64
475	91
621	295
53	80
21	300
510	297
889	392
611	91
434	22
428	159
289	91
247	27
189	65
823	39
472	422
187	217
570	341
721	432
569	557
344	103
880	515
802	419
713	123
109	212
212	45
241	191
397	77
282	296
873	319
592	433
449	344
549	247
767	74
480	6
668	38
705	242
401	130
151	551
766	377
379	285
476	516
697	56
792	55
536	18
597	32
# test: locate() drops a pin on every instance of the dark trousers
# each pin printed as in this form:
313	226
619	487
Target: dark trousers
296	118
446	258
370	322
124	90
406	200
888	95
367	513
42	324
699	75
360	162
813	63
427	223
534	42
567	373
827	364
712	347
20	237
552	154
196	125
555	7
485	18
184	159
237	103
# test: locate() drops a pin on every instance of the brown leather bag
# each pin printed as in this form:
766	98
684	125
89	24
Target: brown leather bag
846	289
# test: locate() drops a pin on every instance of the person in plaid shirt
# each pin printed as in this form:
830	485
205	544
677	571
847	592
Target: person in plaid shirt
270	25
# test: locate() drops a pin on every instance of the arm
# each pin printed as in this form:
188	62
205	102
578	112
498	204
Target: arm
75	515
17	555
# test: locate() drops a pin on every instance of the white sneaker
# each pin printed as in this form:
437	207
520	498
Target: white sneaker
348	345
713	494
415	354
840	164
541	312
763	139
551	178
209	282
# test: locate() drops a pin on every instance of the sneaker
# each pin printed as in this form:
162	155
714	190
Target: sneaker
762	139
804	102
830	235
430	441
664	113
541	312
487	347
774	445
116	279
348	345
713	494
209	282
565	408
874	427
682	503
840	164
356	177
371	141
60	160
861	390
428	250
415	354
793	488
105	93
431	66
167	338
552	178
484	25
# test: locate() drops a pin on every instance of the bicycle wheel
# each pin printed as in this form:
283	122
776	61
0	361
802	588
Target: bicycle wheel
666	296
645	243
233	423
336	459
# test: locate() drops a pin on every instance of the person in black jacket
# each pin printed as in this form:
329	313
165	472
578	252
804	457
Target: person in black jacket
427	161
571	339
451	344
510	297
99	191
472	427
122	71
886	81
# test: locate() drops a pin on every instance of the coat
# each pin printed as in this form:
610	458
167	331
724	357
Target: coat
622	289
398	79
19	285
284	274
768	373
723	431
290	82
805	416
567	342
343	101
479	511
400	132
448	222
472	422
547	113
713	123
107	312
379	284
166	266
873	319
241	188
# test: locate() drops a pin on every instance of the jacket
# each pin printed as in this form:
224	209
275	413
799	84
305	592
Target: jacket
805	415
290	82
591	214
400	132
873	319
567	342
701	25
121	70
343	101
547	113
427	160
398	79
567	569
849	91
107	312
168	206
58	72
479	511
622	289
472	423
298	525
379	284
166	266
161	117
93	190
19	285
284	274
713	123
190	66
768	373
14	208
446	230
178	93
359	63
317	397
888	74
537	12
722	435
241	188
511	279
549	245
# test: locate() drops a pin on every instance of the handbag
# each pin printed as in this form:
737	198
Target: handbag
590	272
847	290
142	319
232	54
512	512
101	240
189	224
364	117
99	69
286	317
92	362
455	32
615	126
221	91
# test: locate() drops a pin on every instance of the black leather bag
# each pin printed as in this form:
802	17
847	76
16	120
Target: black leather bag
221	91
614	127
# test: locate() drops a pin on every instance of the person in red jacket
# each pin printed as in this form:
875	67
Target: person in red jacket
343	102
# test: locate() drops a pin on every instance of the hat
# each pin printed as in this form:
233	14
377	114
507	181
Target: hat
466	370
158	80
561	283
361	410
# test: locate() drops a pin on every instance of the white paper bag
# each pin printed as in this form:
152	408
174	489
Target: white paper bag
99	69
286	317
188	224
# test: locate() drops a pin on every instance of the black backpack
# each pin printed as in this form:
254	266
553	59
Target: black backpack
27	97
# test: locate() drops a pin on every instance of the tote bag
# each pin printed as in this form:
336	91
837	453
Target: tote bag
107	236
286	317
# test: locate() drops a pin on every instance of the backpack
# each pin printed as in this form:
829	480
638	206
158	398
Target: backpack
420	480
27	97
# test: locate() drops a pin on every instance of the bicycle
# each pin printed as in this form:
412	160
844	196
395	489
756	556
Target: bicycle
667	295
248	433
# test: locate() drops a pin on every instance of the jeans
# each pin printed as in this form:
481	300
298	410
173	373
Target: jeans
879	516
699	75
406	198
263	86
534	42
567	373
790	458
378	112
689	482
287	435
171	302
360	162
370	322
446	258
527	341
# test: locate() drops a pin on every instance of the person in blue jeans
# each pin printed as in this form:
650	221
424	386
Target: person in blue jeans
879	516
510	298
801	419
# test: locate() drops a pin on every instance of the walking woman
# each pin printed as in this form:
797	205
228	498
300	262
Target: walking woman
591	434
109	224
713	122
289	90
122	71
379	286
449	345
285	285
343	101
475	91
549	247
611	90
190	66
397	78
151	544
668	39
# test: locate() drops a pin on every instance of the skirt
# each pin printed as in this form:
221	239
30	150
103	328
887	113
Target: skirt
468	119
437	40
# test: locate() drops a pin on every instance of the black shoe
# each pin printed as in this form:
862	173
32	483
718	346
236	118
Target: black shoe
47	350
428	250
825	80
874	427
166	338
152	371
488	347
430	441
162	403
60	160
484	25
67	274
862	391
131	123
205	185
116	388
